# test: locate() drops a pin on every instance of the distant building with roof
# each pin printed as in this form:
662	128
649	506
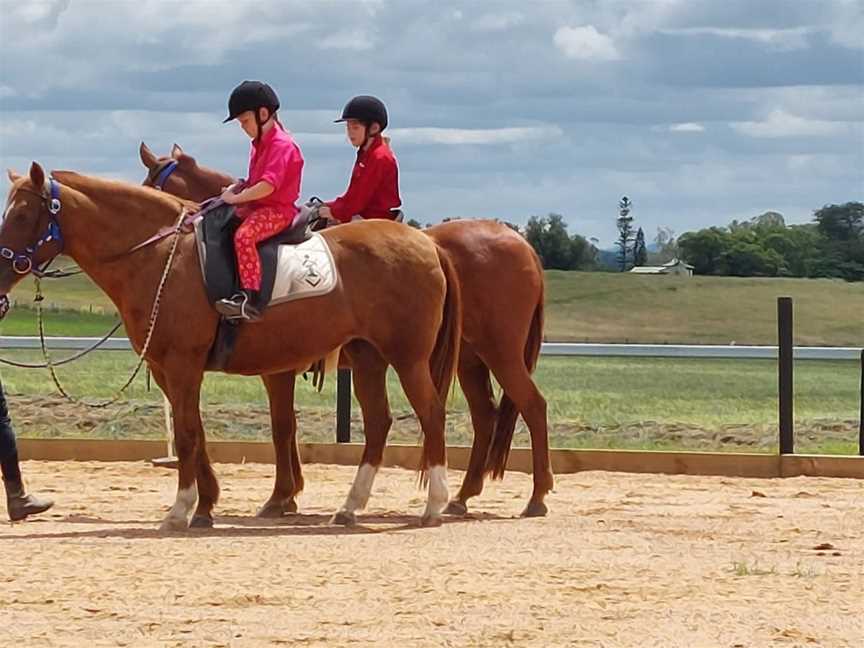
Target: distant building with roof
673	267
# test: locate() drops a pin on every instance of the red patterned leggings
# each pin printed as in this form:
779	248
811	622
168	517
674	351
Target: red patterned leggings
258	225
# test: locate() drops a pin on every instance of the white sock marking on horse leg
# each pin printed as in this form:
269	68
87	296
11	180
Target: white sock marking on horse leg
358	496
183	505
438	493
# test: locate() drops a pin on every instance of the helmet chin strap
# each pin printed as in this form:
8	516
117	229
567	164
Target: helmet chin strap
367	138
260	125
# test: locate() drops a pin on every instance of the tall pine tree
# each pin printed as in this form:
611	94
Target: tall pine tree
625	232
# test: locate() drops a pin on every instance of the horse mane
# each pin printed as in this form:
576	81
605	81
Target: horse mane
121	189
216	176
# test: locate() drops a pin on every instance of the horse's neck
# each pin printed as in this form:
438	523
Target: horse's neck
102	222
211	181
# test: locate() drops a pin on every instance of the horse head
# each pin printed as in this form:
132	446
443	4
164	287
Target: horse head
30	234
177	174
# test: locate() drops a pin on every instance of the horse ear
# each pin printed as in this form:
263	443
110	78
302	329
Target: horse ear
14	176
147	156
37	175
185	161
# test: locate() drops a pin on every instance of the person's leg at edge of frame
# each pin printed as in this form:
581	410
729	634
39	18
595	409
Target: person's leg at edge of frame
19	505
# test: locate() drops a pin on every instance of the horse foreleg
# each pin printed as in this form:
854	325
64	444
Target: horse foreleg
283	422
195	478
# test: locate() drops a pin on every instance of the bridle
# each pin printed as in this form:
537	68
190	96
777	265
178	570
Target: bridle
159	175
22	262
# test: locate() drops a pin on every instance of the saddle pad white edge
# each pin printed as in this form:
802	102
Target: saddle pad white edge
297	264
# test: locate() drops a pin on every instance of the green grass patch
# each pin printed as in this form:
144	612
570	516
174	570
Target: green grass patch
743	568
616	307
21	321
594	307
647	403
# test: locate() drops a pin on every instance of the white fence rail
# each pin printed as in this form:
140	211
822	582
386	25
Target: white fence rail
548	349
695	351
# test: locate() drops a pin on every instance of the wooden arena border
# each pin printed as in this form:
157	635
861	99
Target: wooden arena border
724	464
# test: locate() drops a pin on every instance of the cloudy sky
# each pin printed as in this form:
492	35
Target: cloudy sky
700	111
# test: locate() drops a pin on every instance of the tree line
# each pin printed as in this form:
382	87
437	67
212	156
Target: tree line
832	245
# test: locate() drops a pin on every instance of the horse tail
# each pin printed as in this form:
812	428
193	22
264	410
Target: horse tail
442	364
505	422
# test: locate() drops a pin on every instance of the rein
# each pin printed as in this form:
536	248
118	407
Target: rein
185	225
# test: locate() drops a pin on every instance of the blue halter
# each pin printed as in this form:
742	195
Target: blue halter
164	174
22	262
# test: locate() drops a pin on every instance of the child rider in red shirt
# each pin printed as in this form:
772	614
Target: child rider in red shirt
373	191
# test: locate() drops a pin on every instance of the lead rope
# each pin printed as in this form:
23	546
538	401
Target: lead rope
154	313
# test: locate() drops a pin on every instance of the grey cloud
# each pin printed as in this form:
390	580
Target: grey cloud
95	83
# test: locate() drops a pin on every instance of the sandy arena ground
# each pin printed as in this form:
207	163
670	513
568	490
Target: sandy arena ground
622	560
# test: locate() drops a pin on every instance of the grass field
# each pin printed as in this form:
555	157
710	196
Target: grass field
593	402
580	306
608	307
22	321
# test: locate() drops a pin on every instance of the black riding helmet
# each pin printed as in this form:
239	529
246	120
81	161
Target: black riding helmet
251	95
365	109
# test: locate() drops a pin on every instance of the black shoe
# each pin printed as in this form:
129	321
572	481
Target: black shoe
238	307
20	505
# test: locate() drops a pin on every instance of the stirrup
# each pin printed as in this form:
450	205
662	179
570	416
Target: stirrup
237	307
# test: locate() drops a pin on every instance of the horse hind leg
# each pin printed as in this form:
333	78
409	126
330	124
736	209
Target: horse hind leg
474	379
517	383
370	386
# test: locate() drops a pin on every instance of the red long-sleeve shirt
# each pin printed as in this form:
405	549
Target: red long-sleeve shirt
277	160
374	187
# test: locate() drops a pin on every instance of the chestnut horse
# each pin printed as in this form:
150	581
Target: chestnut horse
501	282
397	303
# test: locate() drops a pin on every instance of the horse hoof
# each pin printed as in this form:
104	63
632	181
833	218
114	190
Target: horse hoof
201	522
455	507
344	518
431	521
277	508
174	524
535	509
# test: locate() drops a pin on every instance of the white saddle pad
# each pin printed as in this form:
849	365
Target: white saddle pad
304	270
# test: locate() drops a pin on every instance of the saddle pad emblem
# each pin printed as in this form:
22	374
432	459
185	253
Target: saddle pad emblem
313	277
